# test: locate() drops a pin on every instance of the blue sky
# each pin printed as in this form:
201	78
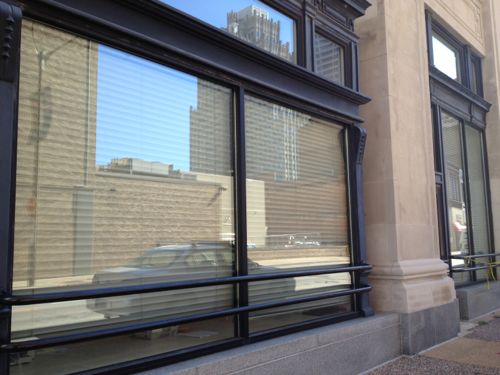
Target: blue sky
214	12
142	110
143	107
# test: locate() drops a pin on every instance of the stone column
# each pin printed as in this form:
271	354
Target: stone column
491	82
401	218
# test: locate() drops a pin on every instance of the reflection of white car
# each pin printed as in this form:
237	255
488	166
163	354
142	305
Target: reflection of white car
173	263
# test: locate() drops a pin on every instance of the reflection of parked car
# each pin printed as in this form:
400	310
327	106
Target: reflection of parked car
198	260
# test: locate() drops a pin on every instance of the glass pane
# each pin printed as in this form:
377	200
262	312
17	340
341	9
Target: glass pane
296	197
124	170
69	358
286	289
454	169
249	20
473	77
445	57
328	59
477	188
296	189
59	318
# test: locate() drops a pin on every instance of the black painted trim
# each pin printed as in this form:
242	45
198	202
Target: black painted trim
10	31
156	27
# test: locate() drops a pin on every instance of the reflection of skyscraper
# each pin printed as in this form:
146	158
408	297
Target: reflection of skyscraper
255	26
275	153
328	59
209	122
210	130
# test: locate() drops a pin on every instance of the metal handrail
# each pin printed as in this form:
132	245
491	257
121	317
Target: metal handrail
470	269
475	256
22	346
123	290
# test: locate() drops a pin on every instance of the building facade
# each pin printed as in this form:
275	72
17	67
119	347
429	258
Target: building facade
178	181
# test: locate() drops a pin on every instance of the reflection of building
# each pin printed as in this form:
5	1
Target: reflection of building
328	59
84	217
254	25
282	149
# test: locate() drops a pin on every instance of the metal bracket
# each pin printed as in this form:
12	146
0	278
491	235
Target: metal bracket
10	36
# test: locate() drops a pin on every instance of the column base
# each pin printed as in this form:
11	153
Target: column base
411	285
423	329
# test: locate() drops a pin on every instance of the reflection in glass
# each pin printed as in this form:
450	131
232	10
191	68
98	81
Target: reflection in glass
249	20
296	188
296	199
286	289
455	189
53	319
478	199
474	75
445	57
124	170
124	177
328	59
69	359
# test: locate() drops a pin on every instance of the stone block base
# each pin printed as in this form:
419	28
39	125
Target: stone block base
344	348
422	329
477	300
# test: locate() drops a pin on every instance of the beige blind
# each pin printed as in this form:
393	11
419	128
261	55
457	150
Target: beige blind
296	188
296	210
124	177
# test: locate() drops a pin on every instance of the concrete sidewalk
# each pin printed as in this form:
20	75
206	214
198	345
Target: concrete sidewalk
476	351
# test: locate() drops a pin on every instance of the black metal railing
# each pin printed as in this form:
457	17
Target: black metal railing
20	300
469	259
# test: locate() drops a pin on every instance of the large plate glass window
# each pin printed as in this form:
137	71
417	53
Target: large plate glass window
124	177
467	207
297	209
249	20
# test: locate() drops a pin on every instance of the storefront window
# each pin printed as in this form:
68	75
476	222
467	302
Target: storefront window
170	201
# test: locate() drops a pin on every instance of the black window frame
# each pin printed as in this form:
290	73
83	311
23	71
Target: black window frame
459	100
86	19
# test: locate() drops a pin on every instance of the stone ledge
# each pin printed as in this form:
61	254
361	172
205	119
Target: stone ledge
333	349
477	300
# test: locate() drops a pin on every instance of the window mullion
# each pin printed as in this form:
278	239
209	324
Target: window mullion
240	206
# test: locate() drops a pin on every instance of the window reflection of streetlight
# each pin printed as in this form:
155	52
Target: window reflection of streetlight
43	121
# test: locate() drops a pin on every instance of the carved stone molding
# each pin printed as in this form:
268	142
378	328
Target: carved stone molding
470	20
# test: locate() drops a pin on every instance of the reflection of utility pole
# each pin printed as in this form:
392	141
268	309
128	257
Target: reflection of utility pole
42	57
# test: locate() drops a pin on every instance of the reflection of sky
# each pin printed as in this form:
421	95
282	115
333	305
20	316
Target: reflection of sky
215	13
142	110
143	107
445	59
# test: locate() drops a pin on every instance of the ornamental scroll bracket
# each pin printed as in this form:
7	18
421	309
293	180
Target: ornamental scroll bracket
10	32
